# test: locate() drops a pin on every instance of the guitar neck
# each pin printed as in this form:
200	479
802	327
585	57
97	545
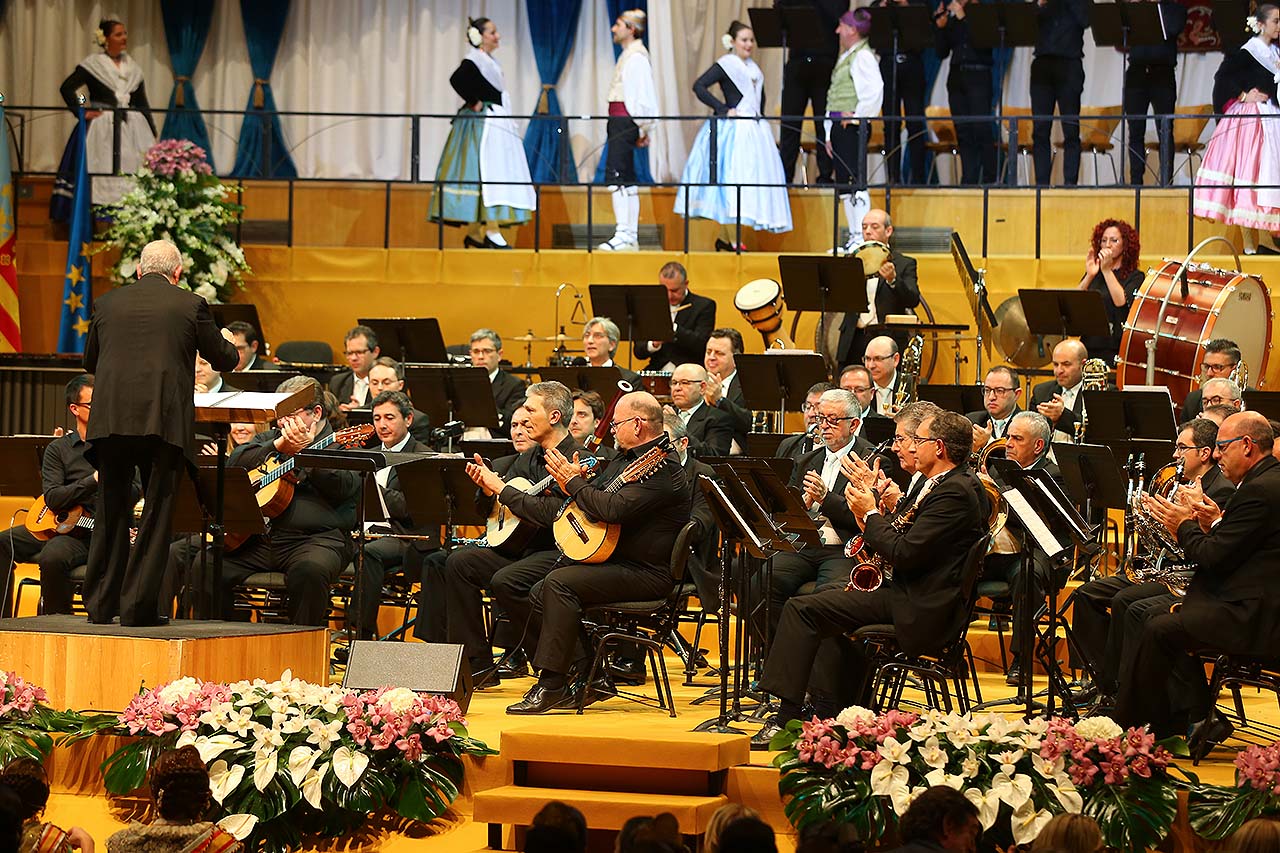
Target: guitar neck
540	486
85	522
287	465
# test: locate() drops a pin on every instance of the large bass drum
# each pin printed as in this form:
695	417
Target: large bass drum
1219	304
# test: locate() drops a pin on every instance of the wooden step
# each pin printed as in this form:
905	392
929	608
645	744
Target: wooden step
516	805
699	751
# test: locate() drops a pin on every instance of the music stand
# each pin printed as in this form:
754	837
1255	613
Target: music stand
1229	18
603	380
21	458
440	492
995	26
1069	313
226	313
961	399
1122	26
767	482
1131	421
487	448
448	393
779	378
260	381
822	284
877	430
641	311
1265	403
764	443
417	339
1092	476
974	281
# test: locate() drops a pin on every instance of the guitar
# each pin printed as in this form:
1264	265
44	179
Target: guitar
585	540
273	480
45	523
506	532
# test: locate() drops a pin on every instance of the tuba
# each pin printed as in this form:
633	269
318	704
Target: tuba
1093	378
910	378
1162	560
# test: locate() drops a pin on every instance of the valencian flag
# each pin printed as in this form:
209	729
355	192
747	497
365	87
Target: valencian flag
10	330
77	293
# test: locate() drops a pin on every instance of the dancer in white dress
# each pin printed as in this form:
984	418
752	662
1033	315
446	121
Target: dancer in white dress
748	184
631	93
482	180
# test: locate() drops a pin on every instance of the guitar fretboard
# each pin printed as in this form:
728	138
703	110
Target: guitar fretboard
287	465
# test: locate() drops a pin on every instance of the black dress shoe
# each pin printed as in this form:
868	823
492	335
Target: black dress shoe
515	666
472	243
1014	676
341	654
1207	734
628	671
490	244
541	699
723	245
761	739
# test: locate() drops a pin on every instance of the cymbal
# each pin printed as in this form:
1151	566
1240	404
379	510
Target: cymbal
553	339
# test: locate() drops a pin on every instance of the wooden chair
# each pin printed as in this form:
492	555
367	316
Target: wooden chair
1097	124
1025	128
1186	134
943	129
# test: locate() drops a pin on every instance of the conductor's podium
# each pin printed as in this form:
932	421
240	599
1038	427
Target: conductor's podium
101	667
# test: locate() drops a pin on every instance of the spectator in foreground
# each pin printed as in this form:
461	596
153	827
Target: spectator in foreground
721	819
1069	833
180	791
658	834
940	817
829	837
1260	835
748	835
26	778
557	828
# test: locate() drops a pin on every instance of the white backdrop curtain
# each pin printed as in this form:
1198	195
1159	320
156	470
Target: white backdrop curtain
395	56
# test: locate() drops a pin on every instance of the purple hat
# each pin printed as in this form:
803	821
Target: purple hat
859	19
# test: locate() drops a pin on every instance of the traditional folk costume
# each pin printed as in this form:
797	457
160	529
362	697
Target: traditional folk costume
745	154
163	837
40	837
631	93
856	92
110	85
483	175
1245	147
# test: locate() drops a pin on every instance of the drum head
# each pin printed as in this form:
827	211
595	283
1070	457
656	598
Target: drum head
873	255
1244	316
757	294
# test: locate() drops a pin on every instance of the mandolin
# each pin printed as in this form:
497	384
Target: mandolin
45	523
507	533
583	539
273	480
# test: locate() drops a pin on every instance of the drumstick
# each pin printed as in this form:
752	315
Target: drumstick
680	308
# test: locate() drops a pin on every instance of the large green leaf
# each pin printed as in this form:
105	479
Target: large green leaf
1134	816
1217	812
126	769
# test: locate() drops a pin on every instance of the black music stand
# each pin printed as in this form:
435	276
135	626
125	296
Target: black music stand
1131	421
641	311
487	448
1122	26
779	379
1069	313
237	512
603	380
440	492
448	393
226	313
961	399
996	26
261	381
788	26
21	457
822	284
1092	476
416	340
767	480
1229	18
878	430
764	443
1265	403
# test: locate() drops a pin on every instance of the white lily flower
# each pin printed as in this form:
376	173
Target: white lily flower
1009	761
899	753
1014	790
265	738
349	765
311	786
942	777
933	754
1026	822
264	768
1048	769
301	760
961	736
970	766
211	747
224	778
1067	795
903	798
239	722
323	734
988	805
239	825
886	777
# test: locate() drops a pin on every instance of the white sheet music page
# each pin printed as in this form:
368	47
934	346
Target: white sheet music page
1033	524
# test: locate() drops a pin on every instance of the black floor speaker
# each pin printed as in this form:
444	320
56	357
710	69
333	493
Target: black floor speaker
439	668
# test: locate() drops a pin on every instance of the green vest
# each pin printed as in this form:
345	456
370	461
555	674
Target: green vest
842	96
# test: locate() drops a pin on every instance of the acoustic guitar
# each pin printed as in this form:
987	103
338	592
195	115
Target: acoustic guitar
273	480
586	540
45	523
508	533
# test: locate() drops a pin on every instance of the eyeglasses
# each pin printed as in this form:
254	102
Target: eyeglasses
860	389
1224	444
900	439
823	420
1216	400
918	439
614	425
685	383
991	391
809	407
485	351
84	405
1183	448
1215	368
874	359
355	352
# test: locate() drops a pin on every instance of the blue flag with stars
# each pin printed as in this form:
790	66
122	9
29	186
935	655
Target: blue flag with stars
77	291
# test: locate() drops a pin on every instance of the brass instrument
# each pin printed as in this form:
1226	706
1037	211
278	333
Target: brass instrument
999	512
1164	561
909	367
994	448
1240	374
870	570
1093	378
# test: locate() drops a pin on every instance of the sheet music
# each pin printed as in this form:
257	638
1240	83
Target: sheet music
210	400
1033	524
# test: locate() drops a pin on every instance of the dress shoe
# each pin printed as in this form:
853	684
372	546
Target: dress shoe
628	671
725	246
342	654
1083	690
761	739
540	700
516	666
1207	734
472	243
490	244
1014	677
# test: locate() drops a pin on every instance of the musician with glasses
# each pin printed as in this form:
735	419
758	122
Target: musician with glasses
1103	609
794	446
651	514
1229	607
882	359
508	391
923	599
351	386
1221	356
1221	392
710	428
1000	395
471	569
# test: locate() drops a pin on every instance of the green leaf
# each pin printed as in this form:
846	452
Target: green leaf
126	769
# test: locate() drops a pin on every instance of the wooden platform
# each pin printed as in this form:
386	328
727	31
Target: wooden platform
101	667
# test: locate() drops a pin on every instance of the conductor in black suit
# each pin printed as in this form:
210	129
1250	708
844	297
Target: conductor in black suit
692	319
891	289
1230	606
508	391
141	347
710	430
924	600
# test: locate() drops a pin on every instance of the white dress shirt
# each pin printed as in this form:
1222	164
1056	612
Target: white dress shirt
884	396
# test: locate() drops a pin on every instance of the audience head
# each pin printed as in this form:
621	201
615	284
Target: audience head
1260	835
560	824
600	340
161	256
945	440
857	378
881	359
1027	438
1194	447
392	417
588	409
877	227
26	778
1001	392
206	376
675	279
722	346
1068	362
1121	239
1244	440
549	408
1221	392
944	816
360	347
520	430
637	420
748	835
687	382
829	837
719	820
811	398
838	417
180	785
486	349
247	341
1221	355
658	834
10	819
1069	833
679	435
385	375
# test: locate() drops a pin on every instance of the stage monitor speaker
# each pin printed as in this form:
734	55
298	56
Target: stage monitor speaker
439	668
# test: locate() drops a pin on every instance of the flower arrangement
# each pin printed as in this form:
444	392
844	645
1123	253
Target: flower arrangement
27	724
865	769
289	758
178	198
1217	811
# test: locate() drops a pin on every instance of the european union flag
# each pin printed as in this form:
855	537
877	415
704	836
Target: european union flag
77	291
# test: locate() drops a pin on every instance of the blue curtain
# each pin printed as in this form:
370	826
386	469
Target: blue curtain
186	26
552	24
262	150
643	175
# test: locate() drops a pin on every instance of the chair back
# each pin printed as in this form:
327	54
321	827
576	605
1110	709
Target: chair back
305	352
1097	125
1025	127
1187	131
939	121
680	552
972	571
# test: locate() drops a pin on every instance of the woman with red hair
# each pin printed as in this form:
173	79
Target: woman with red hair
1111	269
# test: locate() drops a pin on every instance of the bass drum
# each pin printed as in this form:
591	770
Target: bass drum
1219	304
828	345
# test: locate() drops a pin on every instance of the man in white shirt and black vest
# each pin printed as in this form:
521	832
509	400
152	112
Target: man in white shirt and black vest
856	93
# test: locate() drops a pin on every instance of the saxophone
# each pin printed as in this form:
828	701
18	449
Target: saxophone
870	570
1093	378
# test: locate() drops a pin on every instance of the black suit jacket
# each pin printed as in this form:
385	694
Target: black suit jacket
398	507
1191	405
901	297
734	404
342	384
710	432
693	328
983	418
508	395
1217	487
1231	604
324	499
795	446
141	346
928	560
1044	392
834	506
